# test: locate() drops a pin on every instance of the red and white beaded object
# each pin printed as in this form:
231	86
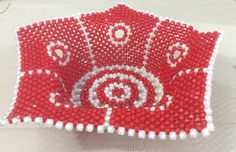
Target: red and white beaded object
119	71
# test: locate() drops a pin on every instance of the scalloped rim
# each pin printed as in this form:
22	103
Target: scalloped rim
121	130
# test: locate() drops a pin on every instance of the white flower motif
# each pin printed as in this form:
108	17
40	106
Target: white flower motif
123	90
175	53
119	34
59	52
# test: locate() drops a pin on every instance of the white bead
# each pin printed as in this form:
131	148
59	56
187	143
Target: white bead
100	129
211	62
30	72
141	134
57	104
110	129
67	106
162	108
208	88
27	119
52	99
196	70
180	73
193	133
208	83
38	120
109	111
4	122
188	71
207	104
205	70
59	124
208	111
49	122
79	127
172	135
162	135
15	121
152	135
69	126
205	132
209	119
39	71
211	127
11	108
22	74
121	130
107	118
89	128
47	71
131	132
182	135
152	108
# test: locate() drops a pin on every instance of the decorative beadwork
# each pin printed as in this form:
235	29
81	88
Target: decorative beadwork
119	34
58	52
119	71
118	92
141	82
175	53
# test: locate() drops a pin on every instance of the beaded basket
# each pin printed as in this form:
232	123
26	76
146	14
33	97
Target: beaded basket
120	71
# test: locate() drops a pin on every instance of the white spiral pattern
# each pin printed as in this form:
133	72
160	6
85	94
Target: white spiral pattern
142	91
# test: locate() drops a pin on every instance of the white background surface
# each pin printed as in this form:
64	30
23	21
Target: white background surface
205	14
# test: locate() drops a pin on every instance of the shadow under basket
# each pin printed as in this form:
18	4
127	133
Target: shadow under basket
119	71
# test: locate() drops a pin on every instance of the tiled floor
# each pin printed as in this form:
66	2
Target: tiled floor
205	14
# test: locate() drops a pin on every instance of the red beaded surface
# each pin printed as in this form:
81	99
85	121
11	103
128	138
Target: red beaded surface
150	72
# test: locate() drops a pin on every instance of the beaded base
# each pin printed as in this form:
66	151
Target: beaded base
121	70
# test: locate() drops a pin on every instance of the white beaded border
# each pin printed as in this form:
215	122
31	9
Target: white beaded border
110	129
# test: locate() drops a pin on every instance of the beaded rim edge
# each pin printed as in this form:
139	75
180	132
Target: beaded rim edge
121	130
